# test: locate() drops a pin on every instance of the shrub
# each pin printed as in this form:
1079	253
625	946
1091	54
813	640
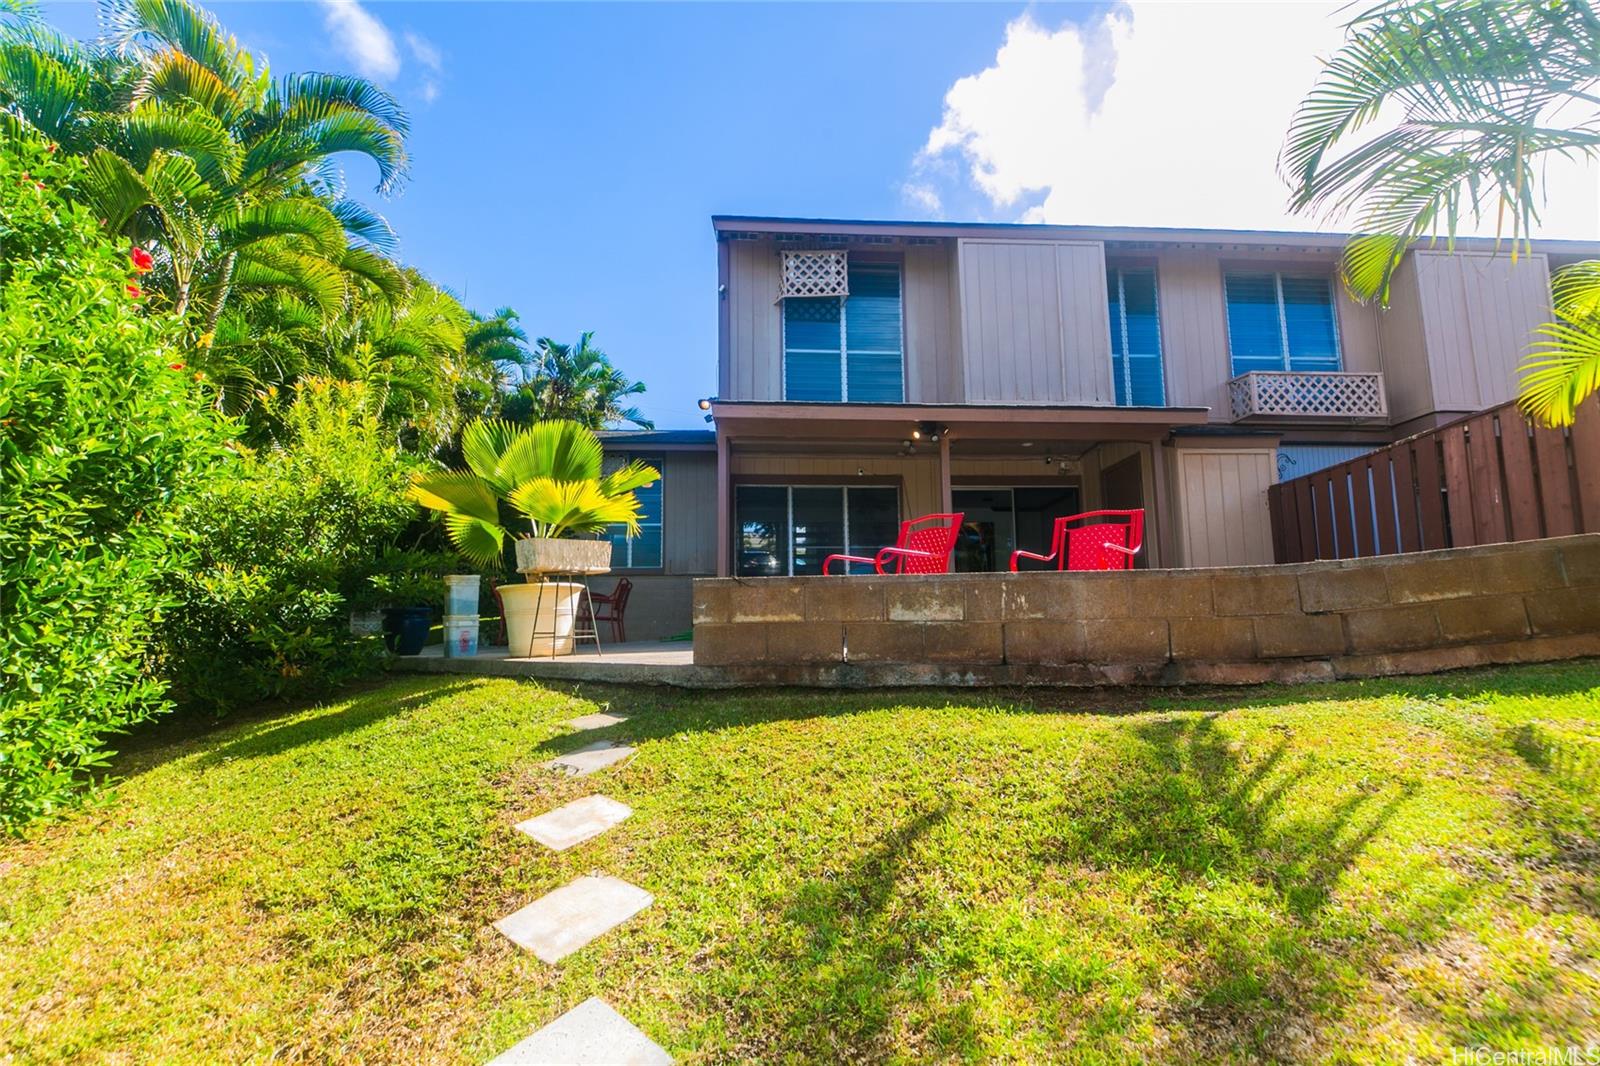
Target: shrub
288	540
103	435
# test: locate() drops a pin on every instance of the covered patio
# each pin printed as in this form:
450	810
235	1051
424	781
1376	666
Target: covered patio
798	481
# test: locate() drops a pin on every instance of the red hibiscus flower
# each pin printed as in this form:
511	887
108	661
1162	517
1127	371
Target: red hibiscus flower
142	260
134	291
174	366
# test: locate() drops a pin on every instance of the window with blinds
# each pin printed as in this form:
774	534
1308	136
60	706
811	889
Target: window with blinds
1281	322
642	549
847	348
1136	371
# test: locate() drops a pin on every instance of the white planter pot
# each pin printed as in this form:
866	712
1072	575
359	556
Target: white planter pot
534	611
549	555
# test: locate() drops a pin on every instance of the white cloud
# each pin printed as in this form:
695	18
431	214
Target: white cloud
362	38
424	51
1158	114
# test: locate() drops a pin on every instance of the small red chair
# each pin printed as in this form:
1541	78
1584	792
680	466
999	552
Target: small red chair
924	550
611	607
1105	545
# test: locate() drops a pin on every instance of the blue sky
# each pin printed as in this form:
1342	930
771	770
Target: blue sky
567	157
572	155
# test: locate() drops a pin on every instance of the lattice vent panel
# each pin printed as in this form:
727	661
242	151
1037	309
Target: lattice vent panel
815	274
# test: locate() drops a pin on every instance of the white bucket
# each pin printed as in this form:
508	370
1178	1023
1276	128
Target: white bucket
539	607
462	598
460	636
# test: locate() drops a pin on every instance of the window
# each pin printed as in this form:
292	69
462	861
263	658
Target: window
846	347
1281	322
1135	338
791	530
641	551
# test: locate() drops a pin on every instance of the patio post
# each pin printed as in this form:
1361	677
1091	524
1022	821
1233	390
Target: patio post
946	499
724	515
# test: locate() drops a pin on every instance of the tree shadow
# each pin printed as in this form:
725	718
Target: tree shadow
338	719
853	952
1199	817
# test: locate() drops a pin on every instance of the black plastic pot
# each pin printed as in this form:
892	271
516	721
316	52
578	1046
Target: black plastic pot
405	629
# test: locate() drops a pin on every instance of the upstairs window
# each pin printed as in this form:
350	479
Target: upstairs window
1135	338
846	348
1281	322
642	550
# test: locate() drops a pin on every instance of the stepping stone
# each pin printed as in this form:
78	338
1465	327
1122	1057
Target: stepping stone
591	1032
555	925
598	720
576	822
587	760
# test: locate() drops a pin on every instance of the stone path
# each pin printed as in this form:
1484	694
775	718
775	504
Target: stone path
563	921
598	720
560	922
578	821
589	1032
588	759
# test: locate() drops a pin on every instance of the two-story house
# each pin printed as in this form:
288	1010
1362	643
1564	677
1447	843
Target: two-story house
870	372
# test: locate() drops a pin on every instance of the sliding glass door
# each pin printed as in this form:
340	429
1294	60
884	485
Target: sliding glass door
999	521
788	530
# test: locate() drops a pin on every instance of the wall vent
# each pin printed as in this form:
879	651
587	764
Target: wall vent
815	274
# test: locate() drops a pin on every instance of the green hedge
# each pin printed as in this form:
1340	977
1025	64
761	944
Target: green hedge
104	435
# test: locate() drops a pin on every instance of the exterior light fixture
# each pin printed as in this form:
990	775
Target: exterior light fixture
1027	444
906	444
705	405
1049	459
928	430
916	434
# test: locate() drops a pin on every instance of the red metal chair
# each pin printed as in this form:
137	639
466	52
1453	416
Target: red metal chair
611	607
1097	546
924	550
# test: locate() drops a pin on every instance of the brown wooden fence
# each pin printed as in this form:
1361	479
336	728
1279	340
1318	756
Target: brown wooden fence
1486	478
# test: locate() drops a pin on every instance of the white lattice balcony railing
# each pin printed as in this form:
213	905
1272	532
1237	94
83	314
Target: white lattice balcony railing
1308	394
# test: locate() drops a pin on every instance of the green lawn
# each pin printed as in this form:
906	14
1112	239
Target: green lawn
1361	872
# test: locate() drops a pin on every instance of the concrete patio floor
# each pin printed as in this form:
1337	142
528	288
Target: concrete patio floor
637	663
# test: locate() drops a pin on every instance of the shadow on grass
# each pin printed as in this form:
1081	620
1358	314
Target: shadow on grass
854	954
339	717
1242	870
658	713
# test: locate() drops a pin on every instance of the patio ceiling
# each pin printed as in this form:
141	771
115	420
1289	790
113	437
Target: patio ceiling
971	428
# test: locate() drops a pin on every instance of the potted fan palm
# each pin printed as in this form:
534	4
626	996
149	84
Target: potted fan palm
550	475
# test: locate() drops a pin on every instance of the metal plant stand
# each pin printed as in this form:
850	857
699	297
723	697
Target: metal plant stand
582	613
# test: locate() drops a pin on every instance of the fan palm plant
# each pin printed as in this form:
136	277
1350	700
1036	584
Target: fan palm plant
1485	93
550	473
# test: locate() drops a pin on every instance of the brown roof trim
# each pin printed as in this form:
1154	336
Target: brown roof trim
723	224
833	421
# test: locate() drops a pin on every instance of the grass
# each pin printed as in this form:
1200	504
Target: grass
1361	872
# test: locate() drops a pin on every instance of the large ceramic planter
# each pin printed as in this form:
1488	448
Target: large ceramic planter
540	608
550	555
405	629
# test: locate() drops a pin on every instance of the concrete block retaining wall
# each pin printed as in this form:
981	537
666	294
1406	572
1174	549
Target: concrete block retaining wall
1396	614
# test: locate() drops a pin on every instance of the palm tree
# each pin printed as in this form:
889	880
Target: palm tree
192	147
578	382
1487	91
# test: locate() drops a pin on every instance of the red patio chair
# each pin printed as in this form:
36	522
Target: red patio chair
924	550
611	607
1106	545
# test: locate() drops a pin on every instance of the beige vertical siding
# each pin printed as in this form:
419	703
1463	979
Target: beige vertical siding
1222	505
933	340
1404	346
1033	318
1194	331
755	330
689	513
1479	311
